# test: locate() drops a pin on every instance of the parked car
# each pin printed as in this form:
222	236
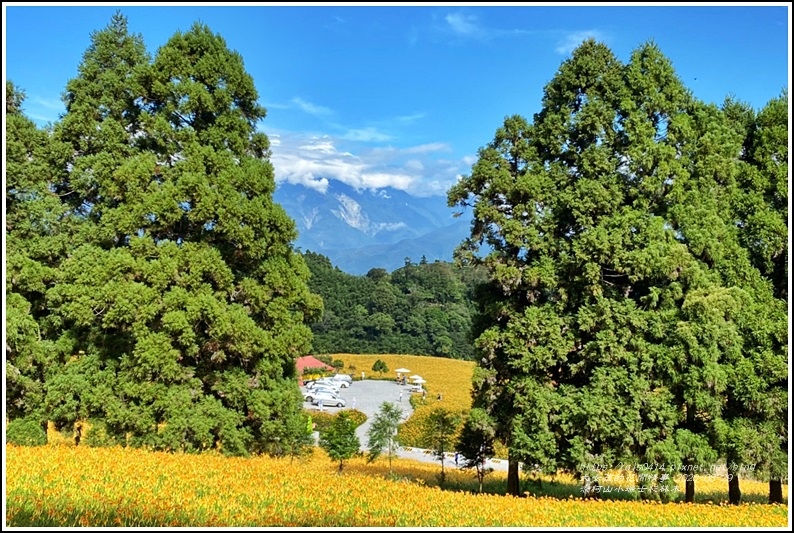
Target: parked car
326	398
320	388
324	384
335	382
343	378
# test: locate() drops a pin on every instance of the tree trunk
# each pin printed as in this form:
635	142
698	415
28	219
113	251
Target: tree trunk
734	493
775	491
689	474
690	487
513	483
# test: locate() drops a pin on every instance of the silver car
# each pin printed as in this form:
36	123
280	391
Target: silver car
320	388
322	385
336	383
326	398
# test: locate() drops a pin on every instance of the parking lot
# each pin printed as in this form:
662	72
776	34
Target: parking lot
369	395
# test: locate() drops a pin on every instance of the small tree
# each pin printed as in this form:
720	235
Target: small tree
340	440
441	427
383	433
476	442
380	367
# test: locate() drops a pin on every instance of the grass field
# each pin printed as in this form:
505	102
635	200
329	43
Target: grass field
68	486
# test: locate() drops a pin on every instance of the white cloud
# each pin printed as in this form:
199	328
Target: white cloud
310	108
321	145
426	148
414	164
313	161
379	180
463	24
411	118
469	26
574	39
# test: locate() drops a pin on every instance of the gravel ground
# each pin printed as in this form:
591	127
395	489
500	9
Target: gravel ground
369	394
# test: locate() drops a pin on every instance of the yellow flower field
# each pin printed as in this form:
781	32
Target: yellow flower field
67	486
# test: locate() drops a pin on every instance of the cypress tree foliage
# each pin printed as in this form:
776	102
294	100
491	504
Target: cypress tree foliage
760	211
475	443
34	244
186	294
617	310
340	440
382	434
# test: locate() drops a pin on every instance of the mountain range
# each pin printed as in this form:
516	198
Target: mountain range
363	229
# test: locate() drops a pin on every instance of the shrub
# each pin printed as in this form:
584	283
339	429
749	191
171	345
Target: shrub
26	432
97	435
380	367
314	370
323	420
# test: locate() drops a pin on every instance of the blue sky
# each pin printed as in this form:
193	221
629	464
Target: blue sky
403	96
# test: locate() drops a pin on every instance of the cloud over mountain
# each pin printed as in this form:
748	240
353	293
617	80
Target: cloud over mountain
312	160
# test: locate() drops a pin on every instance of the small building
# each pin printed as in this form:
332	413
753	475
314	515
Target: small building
309	361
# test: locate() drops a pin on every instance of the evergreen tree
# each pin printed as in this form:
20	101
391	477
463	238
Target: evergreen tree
441	427
382	433
340	440
187	296
476	442
38	235
761	207
617	304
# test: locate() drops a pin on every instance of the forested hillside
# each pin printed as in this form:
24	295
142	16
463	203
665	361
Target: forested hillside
421	308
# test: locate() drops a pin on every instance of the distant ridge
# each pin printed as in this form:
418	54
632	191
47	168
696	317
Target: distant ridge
363	229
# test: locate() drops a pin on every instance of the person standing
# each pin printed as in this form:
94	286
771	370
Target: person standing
401	396
456	458
354	402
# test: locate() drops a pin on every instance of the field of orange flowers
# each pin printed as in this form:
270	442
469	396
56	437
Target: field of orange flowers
67	486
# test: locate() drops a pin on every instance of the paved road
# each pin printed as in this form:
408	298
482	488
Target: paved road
369	395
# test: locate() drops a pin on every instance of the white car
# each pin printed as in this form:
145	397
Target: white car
311	385
333	382
326	398
320	388
343	378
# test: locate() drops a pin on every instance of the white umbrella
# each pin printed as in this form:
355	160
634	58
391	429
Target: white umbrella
420	380
402	370
415	377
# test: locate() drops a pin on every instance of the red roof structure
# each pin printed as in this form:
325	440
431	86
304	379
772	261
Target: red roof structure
309	361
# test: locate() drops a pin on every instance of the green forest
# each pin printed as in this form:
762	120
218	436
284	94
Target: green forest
623	290
421	308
